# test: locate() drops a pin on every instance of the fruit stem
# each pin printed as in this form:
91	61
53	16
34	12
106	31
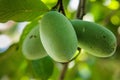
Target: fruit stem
79	49
65	67
81	9
80	14
61	7
56	6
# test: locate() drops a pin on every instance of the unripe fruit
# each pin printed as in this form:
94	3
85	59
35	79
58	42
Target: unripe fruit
95	39
32	47
58	36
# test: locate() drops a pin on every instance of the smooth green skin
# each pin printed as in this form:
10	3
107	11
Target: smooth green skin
94	38
58	36
32	47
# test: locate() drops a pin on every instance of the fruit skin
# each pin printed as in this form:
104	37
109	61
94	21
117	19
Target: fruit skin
94	38
32	47
58	36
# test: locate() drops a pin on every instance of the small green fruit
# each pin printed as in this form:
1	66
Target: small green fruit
32	47
95	39
58	36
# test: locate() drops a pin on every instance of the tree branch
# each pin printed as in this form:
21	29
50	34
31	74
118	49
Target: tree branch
61	7
80	14
65	67
56	6
79	49
81	9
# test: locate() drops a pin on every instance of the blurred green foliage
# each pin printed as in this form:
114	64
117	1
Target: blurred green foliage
13	65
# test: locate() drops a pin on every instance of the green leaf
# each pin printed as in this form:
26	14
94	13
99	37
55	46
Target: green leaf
12	49
43	68
12	63
21	10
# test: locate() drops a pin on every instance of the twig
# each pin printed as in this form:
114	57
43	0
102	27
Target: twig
62	75
79	49
61	7
65	65
56	6
80	14
81	9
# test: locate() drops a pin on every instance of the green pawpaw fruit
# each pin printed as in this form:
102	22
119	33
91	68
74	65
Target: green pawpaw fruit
58	36
32	47
94	38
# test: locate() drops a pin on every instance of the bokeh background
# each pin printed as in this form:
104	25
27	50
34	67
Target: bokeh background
14	66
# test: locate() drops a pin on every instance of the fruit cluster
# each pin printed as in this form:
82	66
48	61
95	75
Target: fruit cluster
59	38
